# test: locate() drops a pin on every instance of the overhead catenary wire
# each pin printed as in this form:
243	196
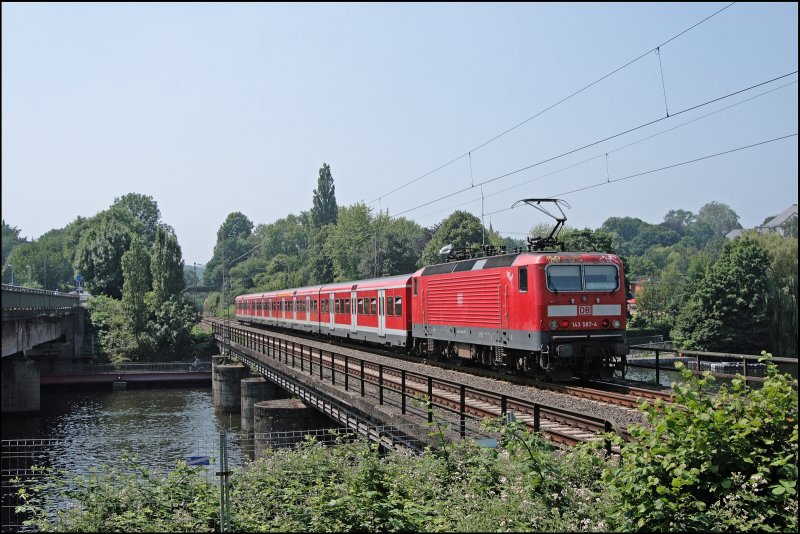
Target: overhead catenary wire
672	166
623	147
548	108
619	134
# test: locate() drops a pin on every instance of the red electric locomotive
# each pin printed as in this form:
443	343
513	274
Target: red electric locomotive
549	313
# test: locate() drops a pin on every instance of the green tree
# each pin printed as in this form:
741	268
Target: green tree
320	265
782	292
171	328
723	461
136	285
717	217
144	209
233	241
166	266
400	243
11	240
587	240
678	220
107	322
98	256
461	229
350	240
727	311
324	210
41	263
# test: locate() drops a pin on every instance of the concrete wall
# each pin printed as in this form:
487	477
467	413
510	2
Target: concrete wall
20	386
23	333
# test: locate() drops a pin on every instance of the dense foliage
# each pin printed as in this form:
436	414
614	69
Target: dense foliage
717	462
728	307
712	461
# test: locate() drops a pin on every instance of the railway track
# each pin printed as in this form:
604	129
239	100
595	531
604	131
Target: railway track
600	391
395	386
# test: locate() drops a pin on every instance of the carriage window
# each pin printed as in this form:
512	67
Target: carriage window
374	306
347	306
415	286
389	305
398	307
564	277
361	306
337	306
601	277
523	279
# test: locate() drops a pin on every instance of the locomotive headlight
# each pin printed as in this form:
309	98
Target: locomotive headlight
616	323
553	324
564	323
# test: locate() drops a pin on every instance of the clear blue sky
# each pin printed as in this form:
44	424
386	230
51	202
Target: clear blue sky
216	108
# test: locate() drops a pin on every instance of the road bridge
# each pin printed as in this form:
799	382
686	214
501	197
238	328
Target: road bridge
36	323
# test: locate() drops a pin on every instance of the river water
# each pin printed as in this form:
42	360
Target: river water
99	427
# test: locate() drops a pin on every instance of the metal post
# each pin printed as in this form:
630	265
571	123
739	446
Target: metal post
403	391
320	364
362	377
503	406
462	410
333	368
346	371
537	418
380	384
430	399
658	369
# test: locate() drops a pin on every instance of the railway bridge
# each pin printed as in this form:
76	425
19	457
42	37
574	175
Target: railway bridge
37	324
413	409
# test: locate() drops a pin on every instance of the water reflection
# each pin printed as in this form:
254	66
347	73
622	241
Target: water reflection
158	426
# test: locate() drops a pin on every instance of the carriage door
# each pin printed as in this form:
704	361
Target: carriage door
381	314
353	312
308	309
331	311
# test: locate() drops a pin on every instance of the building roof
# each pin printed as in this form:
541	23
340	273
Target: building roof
782	217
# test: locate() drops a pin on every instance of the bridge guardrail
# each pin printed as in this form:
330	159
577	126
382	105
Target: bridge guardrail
125	368
26	298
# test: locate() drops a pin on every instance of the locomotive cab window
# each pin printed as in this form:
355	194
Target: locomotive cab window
523	279
564	278
601	277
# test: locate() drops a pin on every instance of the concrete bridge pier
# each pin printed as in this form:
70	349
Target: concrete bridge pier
20	386
226	380
277	423
255	390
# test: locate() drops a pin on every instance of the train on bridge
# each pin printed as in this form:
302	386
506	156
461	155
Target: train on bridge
556	314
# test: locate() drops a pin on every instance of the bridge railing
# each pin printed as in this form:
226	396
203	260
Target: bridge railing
349	371
126	368
26	298
720	364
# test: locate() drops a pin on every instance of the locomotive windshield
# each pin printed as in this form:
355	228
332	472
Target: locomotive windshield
564	278
582	277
